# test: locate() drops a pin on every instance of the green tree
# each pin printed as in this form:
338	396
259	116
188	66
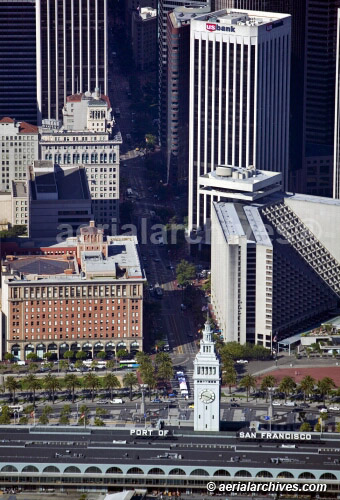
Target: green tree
185	272
287	386
63	365
23	420
79	364
110	364
164	368
81	355
32	356
9	357
94	364
33	367
66	410
13	385
5	417
130	380
101	355
206	287
91	381
99	422
248	382
121	353
64	420
43	419
111	382
48	355
324	387
69	355
48	410
337	427
33	384
229	377
268	382
52	384
231	350
307	385
71	382
305	427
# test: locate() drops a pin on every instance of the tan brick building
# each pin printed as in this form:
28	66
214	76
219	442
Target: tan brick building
85	294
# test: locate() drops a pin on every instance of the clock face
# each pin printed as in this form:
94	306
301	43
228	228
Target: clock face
207	396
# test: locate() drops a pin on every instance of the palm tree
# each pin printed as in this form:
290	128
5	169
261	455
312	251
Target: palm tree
325	386
91	381
111	382
248	382
268	382
71	381
164	366
229	377
130	380
52	385
12	385
33	384
307	385
63	365
287	386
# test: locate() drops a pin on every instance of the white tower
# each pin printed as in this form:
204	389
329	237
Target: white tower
207	385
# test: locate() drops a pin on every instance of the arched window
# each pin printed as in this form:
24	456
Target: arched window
199	472
93	470
51	468
114	470
135	470
306	475
9	468
328	475
264	473
221	472
72	470
155	470
285	475
30	468
242	473
177	472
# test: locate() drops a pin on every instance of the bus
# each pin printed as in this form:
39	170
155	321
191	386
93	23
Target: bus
128	363
16	408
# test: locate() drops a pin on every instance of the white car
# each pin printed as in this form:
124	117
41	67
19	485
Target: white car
289	403
323	410
334	408
276	403
242	361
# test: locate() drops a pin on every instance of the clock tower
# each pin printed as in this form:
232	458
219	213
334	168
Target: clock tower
207	385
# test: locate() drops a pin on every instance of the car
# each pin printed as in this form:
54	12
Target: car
289	403
242	361
323	410
156	400
191	406
136	149
116	401
234	405
334	408
156	260
276	403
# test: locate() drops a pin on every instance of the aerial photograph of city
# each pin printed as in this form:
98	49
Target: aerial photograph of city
170	249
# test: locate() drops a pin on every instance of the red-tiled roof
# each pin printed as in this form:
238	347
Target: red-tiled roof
27	128
6	119
77	98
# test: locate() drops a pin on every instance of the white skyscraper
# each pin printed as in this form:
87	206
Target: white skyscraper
239	98
207	385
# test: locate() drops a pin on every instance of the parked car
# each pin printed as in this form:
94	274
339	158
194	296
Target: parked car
156	400
277	403
289	403
242	361
334	408
323	410
116	401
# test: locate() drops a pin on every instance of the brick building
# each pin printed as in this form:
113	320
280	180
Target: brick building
84	294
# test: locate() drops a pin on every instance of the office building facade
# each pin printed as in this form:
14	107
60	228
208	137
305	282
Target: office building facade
245	57
275	266
89	137
144	37
84	294
164	8
19	148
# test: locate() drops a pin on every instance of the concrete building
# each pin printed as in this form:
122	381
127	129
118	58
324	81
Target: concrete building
144	37
59	199
14	205
131	6
245	120
90	138
178	49
164	8
18	60
275	265
56	48
19	143
83	294
312	84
